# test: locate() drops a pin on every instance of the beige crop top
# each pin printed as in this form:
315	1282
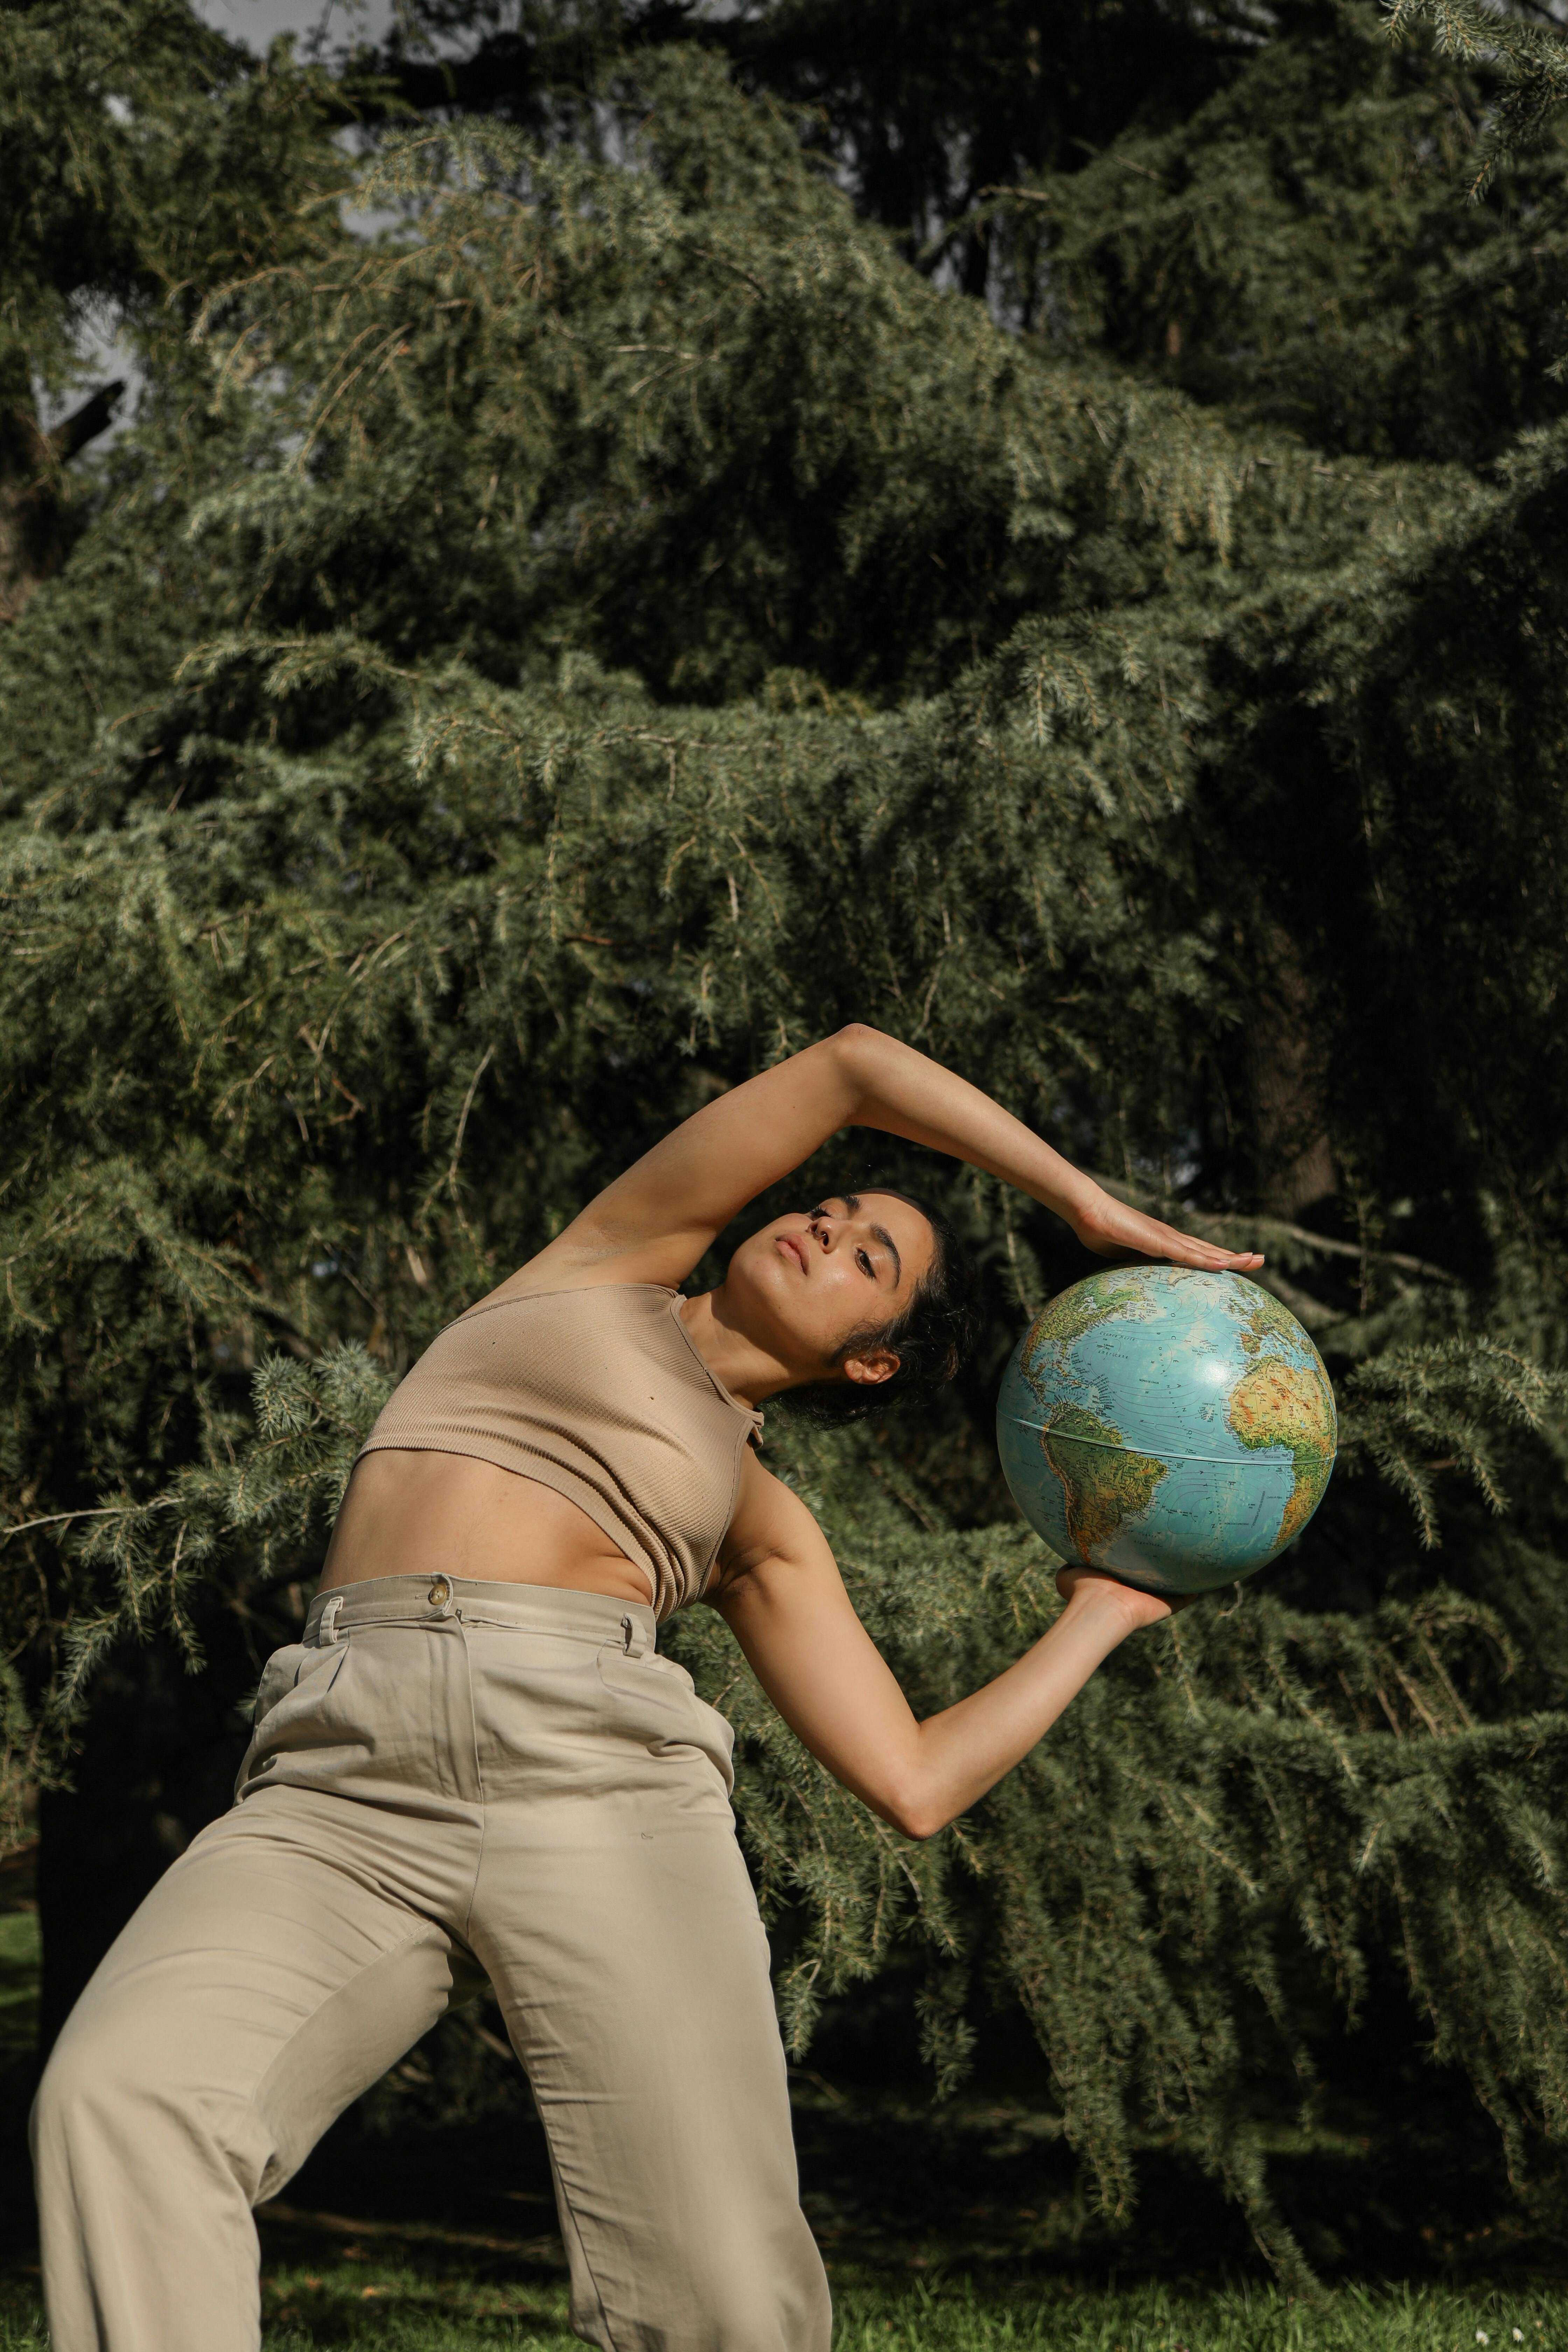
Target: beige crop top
600	1394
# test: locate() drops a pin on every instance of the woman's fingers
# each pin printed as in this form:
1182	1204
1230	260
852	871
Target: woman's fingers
1111	1226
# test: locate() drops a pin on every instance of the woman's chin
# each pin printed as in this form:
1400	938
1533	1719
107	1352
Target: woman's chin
767	1303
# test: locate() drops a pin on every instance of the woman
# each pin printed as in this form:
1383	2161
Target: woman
476	1762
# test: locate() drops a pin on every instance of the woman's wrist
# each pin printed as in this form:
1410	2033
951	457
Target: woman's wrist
1113	1610
1080	1198
1060	1187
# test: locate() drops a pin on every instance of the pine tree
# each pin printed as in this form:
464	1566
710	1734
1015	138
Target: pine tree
920	108
602	634
143	160
1305	250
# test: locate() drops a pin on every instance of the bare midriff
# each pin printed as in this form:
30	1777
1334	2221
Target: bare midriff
408	1514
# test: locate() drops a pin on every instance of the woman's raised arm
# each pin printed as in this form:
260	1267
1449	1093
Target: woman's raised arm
657	1218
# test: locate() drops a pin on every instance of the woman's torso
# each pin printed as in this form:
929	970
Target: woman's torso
405	1514
569	1437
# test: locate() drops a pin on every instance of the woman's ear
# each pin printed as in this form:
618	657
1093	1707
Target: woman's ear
877	1365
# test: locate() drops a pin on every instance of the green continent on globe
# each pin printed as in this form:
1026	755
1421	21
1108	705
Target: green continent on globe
1277	1405
1266	1319
1096	1299
1103	1480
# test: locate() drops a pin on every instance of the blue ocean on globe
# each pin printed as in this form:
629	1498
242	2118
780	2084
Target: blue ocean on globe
1174	1427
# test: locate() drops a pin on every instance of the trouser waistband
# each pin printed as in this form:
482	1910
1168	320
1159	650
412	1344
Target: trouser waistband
437	1598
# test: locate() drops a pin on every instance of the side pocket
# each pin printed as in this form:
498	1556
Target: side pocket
288	1669
281	1673
657	1701
295	1681
676	1674
648	1681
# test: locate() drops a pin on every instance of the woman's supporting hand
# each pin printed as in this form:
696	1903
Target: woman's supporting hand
1139	1608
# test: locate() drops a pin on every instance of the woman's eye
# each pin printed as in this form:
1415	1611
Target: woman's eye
863	1261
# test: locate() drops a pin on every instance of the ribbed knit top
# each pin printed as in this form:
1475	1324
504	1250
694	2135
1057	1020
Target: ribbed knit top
599	1393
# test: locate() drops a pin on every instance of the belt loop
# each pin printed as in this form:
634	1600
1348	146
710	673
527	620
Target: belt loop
327	1628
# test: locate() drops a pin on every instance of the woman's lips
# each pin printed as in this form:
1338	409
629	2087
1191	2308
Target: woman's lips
795	1247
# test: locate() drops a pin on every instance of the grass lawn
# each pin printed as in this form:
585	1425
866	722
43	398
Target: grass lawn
362	2304
458	2253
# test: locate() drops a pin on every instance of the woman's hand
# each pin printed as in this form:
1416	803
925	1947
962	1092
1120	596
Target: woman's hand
1109	1227
1135	1608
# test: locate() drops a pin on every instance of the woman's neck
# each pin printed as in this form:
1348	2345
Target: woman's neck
747	1369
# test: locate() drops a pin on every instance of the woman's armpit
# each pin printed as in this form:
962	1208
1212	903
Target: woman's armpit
770	1523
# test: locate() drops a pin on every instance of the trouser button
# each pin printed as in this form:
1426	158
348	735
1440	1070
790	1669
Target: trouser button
440	1593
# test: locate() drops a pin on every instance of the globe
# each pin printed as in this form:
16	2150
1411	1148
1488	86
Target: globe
1174	1428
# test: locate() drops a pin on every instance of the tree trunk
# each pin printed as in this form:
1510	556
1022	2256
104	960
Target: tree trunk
33	490
1295	1159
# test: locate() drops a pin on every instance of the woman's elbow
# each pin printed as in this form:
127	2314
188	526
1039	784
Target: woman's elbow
859	1055
923	1825
914	1814
858	1040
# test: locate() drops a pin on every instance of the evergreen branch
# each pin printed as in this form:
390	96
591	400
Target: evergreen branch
1531	59
63	1518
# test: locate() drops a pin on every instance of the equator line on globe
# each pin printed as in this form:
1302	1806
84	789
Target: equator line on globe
1173	1427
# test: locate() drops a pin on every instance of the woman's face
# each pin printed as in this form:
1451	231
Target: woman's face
804	1283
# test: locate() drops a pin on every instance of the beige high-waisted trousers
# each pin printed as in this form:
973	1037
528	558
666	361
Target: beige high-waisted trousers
443	1774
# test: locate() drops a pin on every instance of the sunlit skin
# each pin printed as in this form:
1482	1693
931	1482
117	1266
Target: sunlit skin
793	1297
793	1294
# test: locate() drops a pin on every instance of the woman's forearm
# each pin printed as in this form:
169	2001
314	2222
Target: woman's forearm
905	1093
665	1210
966	1749
785	1601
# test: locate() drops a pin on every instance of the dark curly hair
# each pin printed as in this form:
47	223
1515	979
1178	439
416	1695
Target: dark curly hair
933	1337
